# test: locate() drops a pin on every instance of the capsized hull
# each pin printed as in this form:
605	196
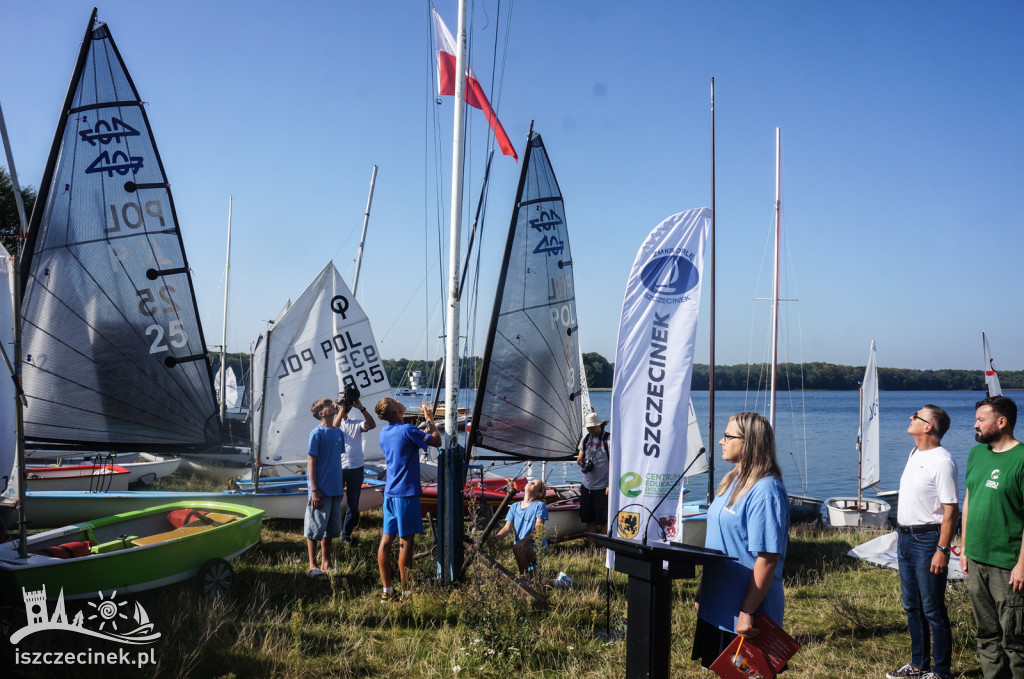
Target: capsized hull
846	512
153	555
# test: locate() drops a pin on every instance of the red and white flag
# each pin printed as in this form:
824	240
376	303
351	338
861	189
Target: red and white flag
475	96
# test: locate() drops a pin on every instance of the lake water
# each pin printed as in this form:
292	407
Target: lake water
824	425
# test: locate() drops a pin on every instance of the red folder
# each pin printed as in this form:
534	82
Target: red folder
759	658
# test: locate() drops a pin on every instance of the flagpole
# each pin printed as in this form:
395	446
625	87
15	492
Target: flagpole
449	514
711	358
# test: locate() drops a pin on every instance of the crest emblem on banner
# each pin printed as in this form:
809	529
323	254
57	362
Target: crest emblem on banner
629	524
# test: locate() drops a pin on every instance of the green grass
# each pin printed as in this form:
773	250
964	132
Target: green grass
279	623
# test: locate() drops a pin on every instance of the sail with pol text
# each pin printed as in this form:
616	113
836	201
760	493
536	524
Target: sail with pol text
529	403
113	350
318	346
653	369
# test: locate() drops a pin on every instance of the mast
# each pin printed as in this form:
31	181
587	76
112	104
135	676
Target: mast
711	358
362	238
449	483
860	449
224	325
19	401
775	283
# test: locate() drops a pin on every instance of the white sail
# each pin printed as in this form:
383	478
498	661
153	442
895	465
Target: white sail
869	439
320	344
229	396
694	444
992	387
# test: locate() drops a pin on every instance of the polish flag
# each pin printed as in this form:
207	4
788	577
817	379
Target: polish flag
475	96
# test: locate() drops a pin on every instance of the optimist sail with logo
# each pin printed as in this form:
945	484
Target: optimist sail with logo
319	345
859	511
651	411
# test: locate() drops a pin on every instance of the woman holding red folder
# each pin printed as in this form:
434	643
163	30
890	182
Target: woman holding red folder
748	520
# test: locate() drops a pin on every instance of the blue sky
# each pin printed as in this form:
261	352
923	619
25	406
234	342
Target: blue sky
902	155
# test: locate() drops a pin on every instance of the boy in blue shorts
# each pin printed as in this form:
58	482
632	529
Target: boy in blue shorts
401	444
322	522
524	520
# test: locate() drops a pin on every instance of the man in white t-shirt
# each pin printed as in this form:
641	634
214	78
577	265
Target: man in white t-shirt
352	470
927	514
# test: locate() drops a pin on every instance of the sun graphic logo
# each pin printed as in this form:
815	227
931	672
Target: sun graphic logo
108	610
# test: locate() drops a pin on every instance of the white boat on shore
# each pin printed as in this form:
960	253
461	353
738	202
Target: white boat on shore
852	512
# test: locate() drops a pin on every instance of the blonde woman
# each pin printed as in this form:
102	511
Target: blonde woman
748	520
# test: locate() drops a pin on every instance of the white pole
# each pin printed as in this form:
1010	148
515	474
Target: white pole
451	381
362	238
775	283
224	326
14	178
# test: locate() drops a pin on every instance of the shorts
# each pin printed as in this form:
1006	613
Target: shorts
593	506
402	516
323	522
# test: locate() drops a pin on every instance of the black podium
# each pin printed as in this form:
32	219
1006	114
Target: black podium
651	569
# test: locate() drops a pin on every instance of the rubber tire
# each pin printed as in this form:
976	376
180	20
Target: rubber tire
215	578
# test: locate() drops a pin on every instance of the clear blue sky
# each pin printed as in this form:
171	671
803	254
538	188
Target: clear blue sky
903	155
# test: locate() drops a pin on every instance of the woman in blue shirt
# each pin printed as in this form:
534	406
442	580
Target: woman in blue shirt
748	520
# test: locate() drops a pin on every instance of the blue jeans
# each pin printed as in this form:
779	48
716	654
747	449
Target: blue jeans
353	482
924	599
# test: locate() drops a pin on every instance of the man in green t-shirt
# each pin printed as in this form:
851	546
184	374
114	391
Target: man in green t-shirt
992	553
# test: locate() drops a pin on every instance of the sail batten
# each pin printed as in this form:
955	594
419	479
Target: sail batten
526	403
112	356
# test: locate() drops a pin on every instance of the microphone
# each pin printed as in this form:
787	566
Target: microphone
667	493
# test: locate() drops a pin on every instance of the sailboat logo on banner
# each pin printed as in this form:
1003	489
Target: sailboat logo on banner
670	276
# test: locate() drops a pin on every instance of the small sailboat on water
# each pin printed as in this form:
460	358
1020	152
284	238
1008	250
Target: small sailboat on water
858	511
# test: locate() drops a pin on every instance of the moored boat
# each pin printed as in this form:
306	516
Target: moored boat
130	552
857	512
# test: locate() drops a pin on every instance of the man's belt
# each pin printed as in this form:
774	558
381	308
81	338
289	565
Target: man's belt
919	528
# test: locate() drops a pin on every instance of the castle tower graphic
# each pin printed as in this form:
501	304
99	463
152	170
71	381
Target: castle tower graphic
35	608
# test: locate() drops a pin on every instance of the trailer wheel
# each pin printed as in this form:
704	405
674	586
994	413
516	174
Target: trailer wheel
216	578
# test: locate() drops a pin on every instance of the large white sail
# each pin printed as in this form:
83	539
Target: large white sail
869	439
528	404
992	387
653	367
321	344
113	350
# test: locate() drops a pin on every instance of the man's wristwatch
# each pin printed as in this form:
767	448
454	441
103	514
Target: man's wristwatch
944	550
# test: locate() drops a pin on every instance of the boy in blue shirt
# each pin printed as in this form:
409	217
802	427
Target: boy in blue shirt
322	522
401	444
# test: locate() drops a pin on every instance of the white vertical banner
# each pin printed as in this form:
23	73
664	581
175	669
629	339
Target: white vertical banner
869	439
653	367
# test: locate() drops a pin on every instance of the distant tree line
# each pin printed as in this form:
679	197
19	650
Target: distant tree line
10	223
838	377
817	376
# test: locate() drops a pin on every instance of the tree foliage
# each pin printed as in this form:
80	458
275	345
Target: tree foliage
10	224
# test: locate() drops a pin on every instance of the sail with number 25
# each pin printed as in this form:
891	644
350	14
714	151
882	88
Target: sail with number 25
113	351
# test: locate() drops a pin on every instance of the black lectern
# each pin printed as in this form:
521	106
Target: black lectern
649	597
